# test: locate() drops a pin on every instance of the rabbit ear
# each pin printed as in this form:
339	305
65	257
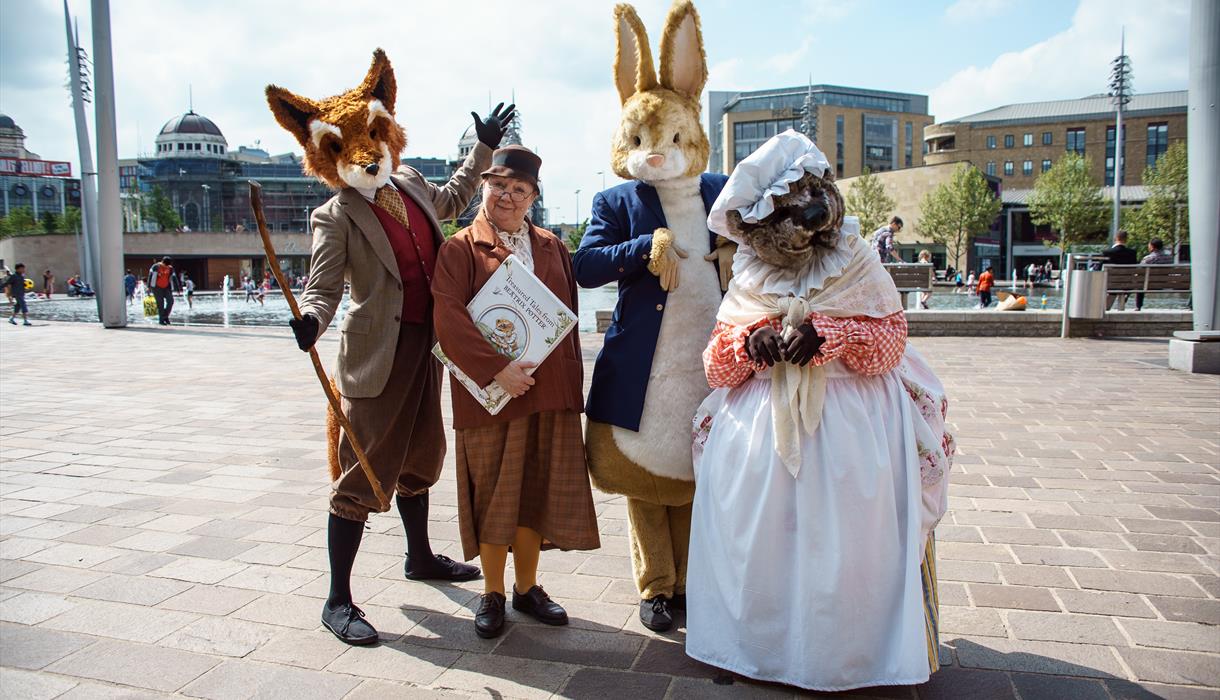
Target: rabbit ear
683	63
633	69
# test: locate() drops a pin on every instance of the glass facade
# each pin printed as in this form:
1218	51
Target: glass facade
880	143
796	99
1075	140
839	146
909	134
748	136
1158	141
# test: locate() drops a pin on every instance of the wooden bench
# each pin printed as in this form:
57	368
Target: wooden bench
1147	279
911	277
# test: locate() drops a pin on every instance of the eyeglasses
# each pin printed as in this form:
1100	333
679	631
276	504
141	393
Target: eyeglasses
516	195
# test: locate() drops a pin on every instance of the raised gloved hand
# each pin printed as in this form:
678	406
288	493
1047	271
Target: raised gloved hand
802	344
763	346
663	260
305	329
723	257
491	131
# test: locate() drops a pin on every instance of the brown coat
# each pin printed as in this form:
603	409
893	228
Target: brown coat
464	265
349	244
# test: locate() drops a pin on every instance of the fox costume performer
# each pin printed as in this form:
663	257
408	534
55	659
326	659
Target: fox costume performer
380	234
651	237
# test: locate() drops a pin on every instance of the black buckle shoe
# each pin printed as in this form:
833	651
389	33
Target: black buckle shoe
489	620
537	604
441	568
348	624
655	614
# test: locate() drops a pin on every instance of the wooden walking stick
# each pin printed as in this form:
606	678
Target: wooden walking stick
256	202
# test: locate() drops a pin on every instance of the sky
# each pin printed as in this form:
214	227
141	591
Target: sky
556	57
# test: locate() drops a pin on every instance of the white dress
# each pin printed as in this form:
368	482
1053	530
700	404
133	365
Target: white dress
815	580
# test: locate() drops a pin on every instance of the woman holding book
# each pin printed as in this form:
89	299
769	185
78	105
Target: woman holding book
522	479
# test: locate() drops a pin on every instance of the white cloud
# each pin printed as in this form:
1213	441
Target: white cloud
1075	62
970	10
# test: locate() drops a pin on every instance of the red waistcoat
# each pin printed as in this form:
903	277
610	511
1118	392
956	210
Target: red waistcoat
415	252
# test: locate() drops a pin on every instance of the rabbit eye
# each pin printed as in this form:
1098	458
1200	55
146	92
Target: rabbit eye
637	140
675	138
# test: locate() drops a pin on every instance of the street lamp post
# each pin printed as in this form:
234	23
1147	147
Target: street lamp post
1120	93
603	174
578	207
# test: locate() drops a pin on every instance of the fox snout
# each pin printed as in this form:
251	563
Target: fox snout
371	168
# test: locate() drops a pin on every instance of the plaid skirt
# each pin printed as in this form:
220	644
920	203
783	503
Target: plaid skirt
529	472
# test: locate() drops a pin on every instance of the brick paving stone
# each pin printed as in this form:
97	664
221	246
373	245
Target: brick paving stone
312	650
33	608
138	665
1017	597
1055	556
1075	522
133	623
1031	575
971	571
1204	611
55	579
210	600
739	687
1180	667
197	570
498	676
598	683
250	679
1185	636
1156	527
212	548
220	636
971	621
1137	582
132	589
954	683
1064	627
663	655
569	645
1104	603
270	579
35	647
1092	540
1018	535
33	686
381	690
88	690
395	661
1085	660
1034	686
78	555
1130	690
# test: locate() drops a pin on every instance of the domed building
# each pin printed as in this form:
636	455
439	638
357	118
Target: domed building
512	137
191	135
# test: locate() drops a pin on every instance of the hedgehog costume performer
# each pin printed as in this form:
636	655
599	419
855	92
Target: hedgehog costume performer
380	234
650	236
821	458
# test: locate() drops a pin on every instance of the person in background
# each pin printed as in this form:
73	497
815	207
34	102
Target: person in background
247	284
164	283
986	282
1120	254
15	284
48	283
129	286
1157	255
925	257
958	283
971	282
883	240
1047	269
188	290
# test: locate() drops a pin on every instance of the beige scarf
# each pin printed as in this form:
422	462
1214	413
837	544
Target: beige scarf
844	282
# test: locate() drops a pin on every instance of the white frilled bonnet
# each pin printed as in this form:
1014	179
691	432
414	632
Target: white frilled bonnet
763	175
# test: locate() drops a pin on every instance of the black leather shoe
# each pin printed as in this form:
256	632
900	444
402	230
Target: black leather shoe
489	620
348	624
655	614
678	602
537	604
441	568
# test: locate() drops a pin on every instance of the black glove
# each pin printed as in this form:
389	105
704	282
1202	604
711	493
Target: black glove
803	345
763	346
306	330
492	130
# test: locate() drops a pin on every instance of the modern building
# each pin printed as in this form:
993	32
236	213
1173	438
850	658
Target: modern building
1021	141
855	127
27	181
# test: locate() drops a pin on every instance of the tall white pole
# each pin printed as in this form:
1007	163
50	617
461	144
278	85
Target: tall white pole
87	243
110	216
1203	155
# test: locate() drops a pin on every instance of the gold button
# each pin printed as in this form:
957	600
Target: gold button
621	270
397	318
660	307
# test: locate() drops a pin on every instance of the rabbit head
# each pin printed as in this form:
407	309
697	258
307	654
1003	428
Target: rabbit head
659	136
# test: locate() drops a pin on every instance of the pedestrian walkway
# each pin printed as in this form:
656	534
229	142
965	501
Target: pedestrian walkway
163	509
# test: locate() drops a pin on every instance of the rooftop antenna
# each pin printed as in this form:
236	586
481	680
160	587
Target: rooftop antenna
190	98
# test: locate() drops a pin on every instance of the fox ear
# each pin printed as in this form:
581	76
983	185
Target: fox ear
293	112
633	69
379	83
683	62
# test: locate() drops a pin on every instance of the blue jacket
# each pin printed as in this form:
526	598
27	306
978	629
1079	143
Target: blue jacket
615	248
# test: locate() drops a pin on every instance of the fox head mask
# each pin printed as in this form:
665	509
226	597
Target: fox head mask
352	139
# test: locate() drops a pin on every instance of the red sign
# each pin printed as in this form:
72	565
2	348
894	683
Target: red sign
35	168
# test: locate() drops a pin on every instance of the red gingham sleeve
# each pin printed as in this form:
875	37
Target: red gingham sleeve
866	345
725	360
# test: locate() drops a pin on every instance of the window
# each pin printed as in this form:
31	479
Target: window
1008	167
1027	167
1046	165
1075	140
1158	142
1047	138
1027	140
182	147
1008	140
909	133
990	142
991	167
839	145
880	143
748	136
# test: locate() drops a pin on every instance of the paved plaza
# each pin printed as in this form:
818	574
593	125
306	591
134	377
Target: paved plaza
163	509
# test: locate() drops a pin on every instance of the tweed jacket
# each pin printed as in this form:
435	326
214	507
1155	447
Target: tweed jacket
350	245
464	265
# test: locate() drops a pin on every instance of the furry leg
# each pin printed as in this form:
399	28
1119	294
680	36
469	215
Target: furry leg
342	543
652	550
679	533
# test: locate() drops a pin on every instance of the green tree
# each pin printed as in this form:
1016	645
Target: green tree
161	210
1066	199
71	220
1164	214
21	222
575	235
49	222
868	200
449	228
957	210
